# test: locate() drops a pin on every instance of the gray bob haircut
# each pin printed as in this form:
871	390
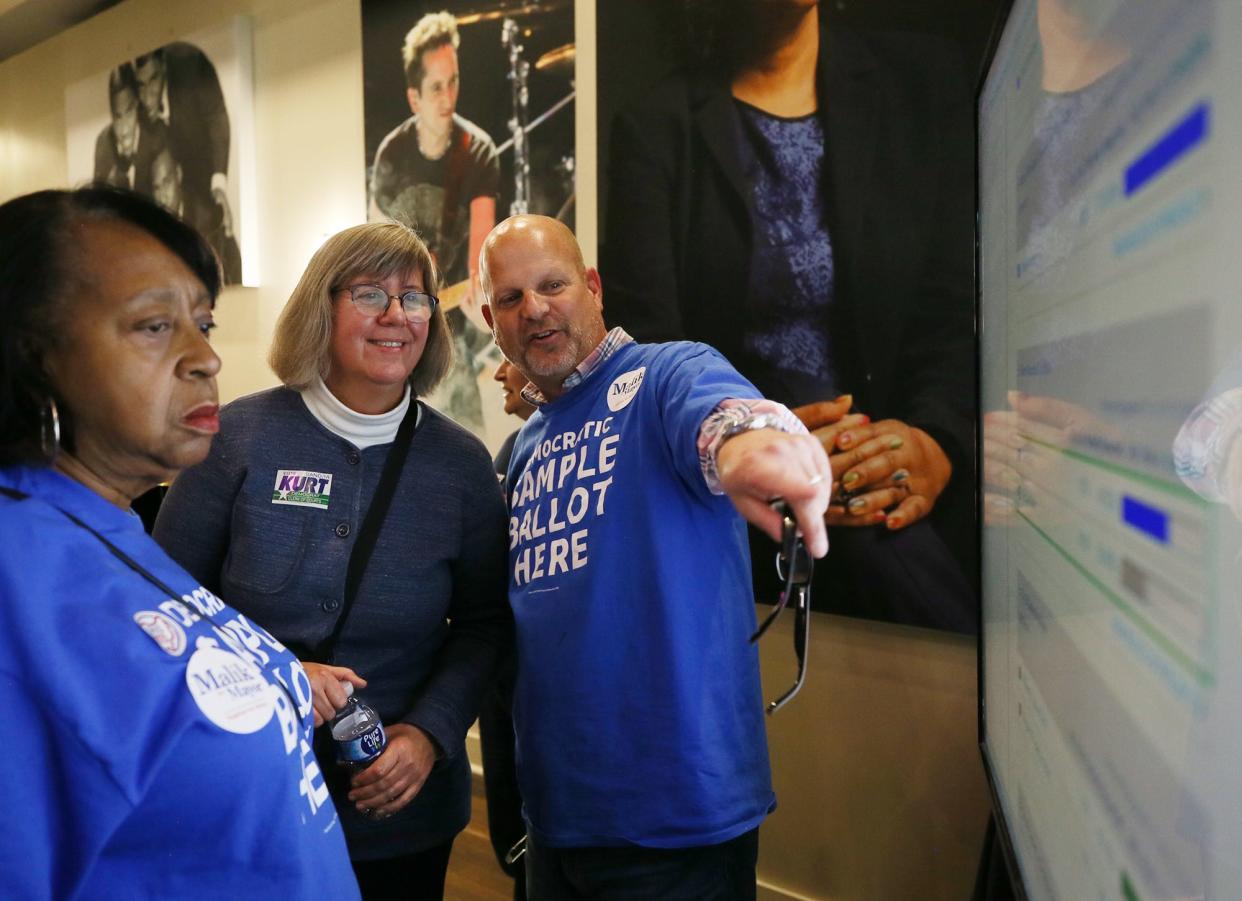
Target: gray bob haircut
301	349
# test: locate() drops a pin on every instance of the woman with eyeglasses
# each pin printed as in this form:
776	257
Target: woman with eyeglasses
367	532
157	740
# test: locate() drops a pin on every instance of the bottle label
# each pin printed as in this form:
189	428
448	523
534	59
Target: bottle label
362	748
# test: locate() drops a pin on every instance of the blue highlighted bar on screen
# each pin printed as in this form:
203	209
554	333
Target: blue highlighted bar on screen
1146	518
1171	147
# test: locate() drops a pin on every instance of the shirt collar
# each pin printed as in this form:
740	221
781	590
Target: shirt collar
360	429
613	342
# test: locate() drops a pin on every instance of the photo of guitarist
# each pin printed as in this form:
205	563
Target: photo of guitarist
439	173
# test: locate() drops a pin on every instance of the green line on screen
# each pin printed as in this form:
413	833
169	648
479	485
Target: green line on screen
1201	675
1174	488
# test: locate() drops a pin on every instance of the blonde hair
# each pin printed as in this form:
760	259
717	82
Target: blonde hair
301	350
431	31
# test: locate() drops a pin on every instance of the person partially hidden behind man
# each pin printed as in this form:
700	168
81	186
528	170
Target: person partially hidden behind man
505	826
641	752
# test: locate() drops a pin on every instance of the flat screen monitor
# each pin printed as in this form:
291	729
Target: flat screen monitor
1110	274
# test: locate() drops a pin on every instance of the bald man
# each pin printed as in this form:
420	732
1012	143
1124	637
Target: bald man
638	711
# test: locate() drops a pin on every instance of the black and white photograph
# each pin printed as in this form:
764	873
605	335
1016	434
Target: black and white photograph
469	118
175	123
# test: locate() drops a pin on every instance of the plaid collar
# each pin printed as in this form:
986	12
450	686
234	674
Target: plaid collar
613	342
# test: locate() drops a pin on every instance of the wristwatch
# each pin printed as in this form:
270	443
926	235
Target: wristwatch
750	424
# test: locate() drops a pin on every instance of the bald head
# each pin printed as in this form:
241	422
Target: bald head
531	230
544	306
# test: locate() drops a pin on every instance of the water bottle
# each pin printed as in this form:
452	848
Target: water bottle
358	732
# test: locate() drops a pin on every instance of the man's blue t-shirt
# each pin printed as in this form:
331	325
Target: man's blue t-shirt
638	709
156	747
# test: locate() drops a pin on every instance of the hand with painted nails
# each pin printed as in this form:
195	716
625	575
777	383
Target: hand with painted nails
888	473
826	419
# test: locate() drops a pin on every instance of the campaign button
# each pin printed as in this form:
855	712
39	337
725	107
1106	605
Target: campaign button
229	691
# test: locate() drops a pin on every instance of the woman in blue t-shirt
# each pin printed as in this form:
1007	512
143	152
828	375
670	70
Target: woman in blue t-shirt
158	740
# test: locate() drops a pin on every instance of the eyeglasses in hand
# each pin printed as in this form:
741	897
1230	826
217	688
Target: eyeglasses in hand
794	565
373	301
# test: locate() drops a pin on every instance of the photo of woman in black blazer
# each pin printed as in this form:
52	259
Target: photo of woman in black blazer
801	197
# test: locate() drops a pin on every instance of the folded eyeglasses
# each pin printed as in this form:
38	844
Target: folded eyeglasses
794	566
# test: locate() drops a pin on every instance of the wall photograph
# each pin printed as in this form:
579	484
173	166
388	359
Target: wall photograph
176	123
469	114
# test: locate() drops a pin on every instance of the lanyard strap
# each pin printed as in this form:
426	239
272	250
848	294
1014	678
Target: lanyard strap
368	532
142	571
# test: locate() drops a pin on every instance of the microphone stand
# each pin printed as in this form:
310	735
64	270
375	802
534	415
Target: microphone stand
519	70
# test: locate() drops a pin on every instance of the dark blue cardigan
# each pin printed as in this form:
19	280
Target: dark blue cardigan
431	613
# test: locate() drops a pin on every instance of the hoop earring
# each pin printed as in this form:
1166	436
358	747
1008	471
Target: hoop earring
49	429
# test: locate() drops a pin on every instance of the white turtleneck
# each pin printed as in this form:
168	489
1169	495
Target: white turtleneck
360	429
